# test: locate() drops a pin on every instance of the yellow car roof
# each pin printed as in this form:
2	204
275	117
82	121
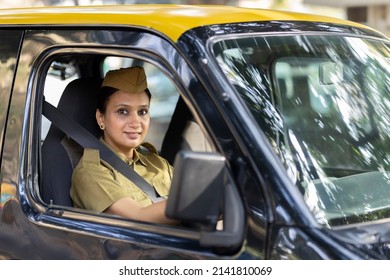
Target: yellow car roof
171	20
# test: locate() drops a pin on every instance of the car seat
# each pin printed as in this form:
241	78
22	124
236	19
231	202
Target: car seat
183	133
173	139
60	154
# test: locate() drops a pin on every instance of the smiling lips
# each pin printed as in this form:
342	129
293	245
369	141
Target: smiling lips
132	135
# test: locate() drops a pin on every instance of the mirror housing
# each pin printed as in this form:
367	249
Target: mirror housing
202	192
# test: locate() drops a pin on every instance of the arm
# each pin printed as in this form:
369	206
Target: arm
95	188
129	208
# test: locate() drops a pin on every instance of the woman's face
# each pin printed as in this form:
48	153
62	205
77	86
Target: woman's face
125	121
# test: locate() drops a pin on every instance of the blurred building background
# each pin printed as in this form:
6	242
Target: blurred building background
374	13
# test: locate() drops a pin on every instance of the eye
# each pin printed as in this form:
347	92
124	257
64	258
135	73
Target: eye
122	111
143	112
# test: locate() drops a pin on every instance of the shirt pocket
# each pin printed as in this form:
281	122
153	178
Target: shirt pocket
162	185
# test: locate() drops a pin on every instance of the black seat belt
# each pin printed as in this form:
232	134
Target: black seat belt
84	138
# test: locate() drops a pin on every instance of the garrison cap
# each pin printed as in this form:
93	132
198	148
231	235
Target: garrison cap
132	79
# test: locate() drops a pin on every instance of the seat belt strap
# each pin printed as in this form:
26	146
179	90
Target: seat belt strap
83	137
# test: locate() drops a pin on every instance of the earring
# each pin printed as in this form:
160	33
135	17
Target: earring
101	126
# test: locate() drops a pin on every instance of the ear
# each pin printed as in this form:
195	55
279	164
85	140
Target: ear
99	118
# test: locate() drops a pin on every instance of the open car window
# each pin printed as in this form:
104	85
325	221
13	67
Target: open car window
75	96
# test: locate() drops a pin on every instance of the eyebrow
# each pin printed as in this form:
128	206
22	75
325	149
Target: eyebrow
129	105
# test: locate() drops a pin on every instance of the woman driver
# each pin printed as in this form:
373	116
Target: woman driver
123	116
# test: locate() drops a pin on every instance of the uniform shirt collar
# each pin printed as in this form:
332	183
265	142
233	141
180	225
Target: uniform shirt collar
136	155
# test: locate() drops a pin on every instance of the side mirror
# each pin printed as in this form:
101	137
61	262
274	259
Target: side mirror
203	191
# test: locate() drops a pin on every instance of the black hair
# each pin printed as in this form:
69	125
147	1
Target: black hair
104	95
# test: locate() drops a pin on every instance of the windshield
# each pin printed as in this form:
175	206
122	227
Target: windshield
323	102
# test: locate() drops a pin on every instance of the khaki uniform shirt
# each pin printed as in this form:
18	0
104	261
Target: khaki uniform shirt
96	185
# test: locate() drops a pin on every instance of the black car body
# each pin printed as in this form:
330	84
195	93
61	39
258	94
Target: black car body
292	145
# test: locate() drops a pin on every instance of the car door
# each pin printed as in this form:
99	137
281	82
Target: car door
64	232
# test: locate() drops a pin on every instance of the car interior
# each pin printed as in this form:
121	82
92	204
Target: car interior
71	86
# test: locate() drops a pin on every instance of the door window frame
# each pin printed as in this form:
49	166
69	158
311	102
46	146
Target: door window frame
167	59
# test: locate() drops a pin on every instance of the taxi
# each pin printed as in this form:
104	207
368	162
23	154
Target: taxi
277	125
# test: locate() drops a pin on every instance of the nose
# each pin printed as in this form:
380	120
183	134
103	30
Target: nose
134	120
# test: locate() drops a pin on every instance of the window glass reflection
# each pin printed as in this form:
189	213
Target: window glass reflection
323	101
